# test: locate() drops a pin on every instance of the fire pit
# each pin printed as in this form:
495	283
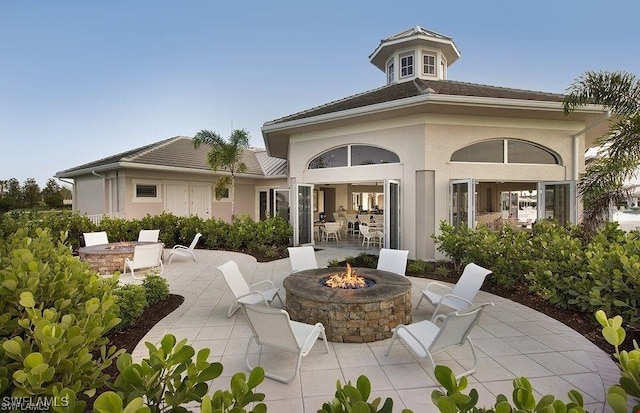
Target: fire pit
350	315
108	258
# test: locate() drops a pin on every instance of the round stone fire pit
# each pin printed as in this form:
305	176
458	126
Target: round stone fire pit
108	258
350	315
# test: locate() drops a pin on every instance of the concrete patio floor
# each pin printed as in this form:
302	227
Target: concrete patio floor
512	341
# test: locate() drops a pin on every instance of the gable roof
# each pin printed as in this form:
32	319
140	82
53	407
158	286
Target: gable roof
178	153
417	87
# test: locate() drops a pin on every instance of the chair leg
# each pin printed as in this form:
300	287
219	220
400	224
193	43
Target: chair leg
233	309
419	301
270	375
280	299
393	338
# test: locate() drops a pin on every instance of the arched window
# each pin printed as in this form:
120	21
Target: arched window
353	155
506	151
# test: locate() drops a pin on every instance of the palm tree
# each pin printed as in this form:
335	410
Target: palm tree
618	156
226	155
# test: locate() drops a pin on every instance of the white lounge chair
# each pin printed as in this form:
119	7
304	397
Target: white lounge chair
393	260
144	256
302	258
95	238
461	295
185	251
272	327
149	235
426	339
245	293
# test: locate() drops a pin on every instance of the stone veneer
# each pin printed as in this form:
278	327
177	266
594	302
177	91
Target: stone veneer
350	316
105	260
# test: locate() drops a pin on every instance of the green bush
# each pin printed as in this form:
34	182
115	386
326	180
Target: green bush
417	267
350	398
54	315
156	289
132	301
557	263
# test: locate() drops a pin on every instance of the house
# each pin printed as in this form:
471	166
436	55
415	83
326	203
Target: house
416	151
173	176
424	149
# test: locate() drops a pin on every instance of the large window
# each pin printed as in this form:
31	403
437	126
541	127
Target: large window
406	65
506	151
359	155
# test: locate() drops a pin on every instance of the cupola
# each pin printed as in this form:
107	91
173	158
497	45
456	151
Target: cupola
415	53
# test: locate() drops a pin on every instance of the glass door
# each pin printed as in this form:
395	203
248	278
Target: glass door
462	202
281	203
391	214
303	227
557	201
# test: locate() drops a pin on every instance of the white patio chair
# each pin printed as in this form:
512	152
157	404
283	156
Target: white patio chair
144	256
393	260
426	339
149	235
461	295
331	230
369	236
273	328
243	292
95	238
302	258
185	251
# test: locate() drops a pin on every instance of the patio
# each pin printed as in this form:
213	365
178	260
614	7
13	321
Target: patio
512	341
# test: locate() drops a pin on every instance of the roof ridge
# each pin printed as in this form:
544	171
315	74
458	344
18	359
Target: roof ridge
150	148
331	103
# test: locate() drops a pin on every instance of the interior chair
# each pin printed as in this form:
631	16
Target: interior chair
331	230
144	256
426	338
369	235
245	293
149	235
95	238
185	251
461	295
393	260
273	328
302	258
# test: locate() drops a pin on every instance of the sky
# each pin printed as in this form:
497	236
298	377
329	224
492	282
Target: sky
82	80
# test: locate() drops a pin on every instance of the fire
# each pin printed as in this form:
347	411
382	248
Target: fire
121	246
348	279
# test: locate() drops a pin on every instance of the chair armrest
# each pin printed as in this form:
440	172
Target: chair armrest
269	282
254	293
437	284
177	247
450	297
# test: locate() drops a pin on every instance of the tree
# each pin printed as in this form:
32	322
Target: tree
52	194
31	192
225	155
14	192
66	192
618	157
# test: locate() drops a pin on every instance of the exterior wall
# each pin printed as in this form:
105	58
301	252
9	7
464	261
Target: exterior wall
404	137
89	196
117	193
425	144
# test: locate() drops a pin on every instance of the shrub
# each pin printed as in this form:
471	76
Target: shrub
417	267
132	301
54	315
349	398
156	289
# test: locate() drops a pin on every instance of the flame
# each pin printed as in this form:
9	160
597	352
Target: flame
120	246
348	279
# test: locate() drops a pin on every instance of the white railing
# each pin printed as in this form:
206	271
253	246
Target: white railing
96	218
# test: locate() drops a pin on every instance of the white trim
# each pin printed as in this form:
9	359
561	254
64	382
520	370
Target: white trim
156	199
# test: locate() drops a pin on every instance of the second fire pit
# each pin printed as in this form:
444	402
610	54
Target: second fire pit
350	315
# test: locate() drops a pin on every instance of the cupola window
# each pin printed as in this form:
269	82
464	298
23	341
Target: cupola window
390	71
428	64
406	65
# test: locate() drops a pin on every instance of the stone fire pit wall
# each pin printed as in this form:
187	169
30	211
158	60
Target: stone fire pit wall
350	316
